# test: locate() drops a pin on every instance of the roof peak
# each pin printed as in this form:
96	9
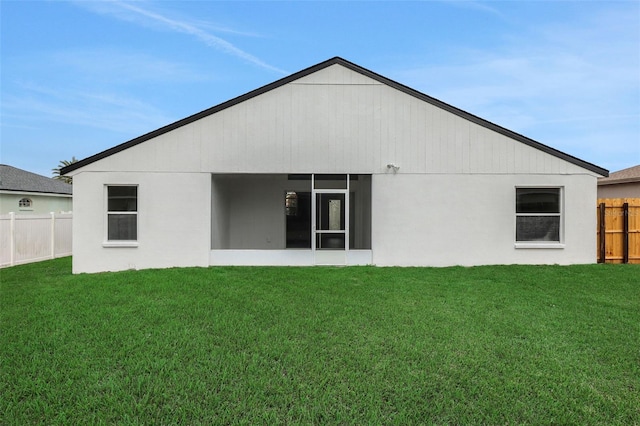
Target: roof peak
356	68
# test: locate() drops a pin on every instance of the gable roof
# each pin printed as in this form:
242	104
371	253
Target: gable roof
631	174
337	60
18	180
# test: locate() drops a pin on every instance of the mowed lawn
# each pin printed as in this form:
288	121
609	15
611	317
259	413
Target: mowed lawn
361	345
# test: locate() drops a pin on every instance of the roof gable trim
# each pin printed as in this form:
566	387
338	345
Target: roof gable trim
48	194
356	68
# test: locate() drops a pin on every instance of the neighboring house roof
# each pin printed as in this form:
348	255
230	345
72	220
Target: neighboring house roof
631	174
18	180
358	69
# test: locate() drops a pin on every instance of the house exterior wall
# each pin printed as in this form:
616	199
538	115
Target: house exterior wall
256	207
451	202
174	227
41	203
620	190
442	220
219	215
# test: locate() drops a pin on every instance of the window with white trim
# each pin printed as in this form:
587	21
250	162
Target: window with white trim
538	214
24	203
122	213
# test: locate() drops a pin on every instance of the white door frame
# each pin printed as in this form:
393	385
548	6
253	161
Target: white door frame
329	257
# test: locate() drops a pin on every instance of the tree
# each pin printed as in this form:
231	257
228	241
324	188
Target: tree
63	163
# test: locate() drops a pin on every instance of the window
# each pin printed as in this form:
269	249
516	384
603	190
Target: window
24	203
538	214
122	213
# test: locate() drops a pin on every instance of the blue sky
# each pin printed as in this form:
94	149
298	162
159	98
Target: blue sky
79	77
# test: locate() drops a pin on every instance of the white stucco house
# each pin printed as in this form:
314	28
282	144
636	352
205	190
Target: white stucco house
332	165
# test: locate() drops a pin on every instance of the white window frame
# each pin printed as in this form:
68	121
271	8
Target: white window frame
561	214
29	205
120	243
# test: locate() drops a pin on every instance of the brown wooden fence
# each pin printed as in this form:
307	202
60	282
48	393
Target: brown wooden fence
619	230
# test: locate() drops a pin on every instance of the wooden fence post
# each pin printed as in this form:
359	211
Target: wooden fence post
625	233
602	251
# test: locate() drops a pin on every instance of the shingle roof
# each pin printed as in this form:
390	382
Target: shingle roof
14	179
350	65
631	174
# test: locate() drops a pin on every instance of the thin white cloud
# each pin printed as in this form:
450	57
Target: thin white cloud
592	118
88	88
117	65
101	110
474	5
220	29
107	66
573	85
181	26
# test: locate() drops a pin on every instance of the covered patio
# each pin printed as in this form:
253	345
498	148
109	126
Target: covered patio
291	219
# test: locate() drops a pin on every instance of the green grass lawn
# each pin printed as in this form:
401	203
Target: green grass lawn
362	345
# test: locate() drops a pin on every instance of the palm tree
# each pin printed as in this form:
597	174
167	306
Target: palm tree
63	163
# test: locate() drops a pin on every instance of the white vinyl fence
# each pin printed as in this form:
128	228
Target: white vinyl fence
31	238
